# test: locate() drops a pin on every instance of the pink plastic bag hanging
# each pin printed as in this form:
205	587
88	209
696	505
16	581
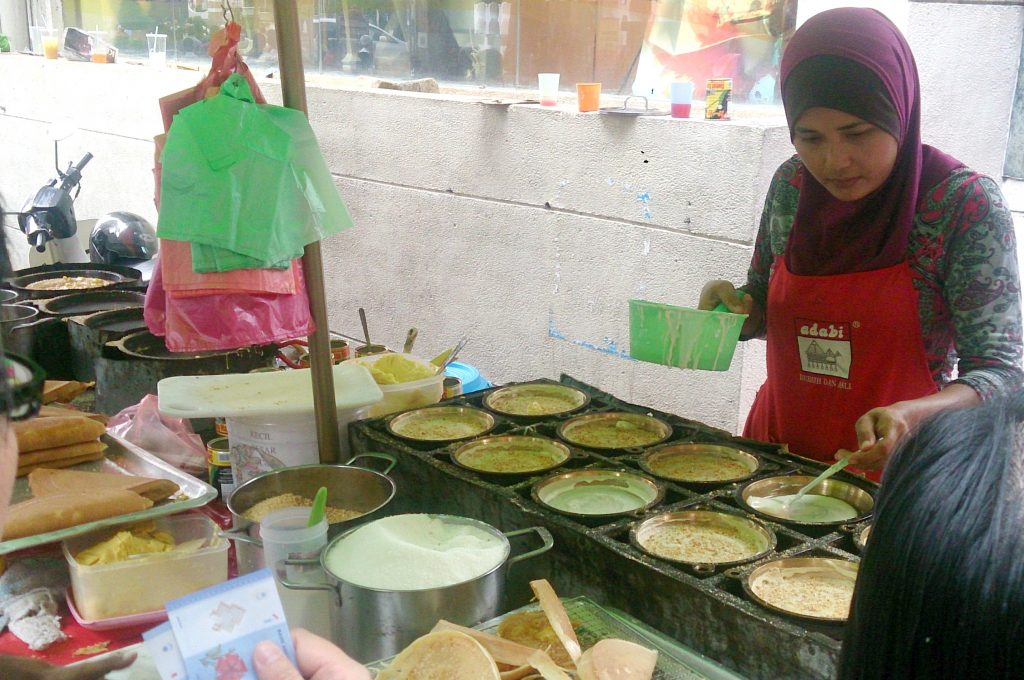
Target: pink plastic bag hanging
228	321
176	259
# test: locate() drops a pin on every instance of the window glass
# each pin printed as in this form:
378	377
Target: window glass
629	46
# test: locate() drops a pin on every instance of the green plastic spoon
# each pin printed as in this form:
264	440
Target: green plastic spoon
831	470
319	503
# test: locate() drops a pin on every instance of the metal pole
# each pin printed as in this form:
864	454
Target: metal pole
293	88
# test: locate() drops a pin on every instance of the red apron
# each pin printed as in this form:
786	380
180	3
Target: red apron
838	346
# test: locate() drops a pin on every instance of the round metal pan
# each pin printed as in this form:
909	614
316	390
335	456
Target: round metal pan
800	569
124	320
605	431
89	333
115	275
757	537
861	500
8	296
536	400
700	463
511	455
415	425
89	302
145	345
131	367
593	493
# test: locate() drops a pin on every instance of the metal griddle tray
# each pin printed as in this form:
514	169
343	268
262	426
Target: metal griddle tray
120	458
594	623
747	636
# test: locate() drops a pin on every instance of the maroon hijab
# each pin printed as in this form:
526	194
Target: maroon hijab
830	236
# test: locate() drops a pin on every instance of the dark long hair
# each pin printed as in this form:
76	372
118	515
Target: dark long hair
941	586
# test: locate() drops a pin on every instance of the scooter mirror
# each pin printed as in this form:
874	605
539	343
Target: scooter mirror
61	129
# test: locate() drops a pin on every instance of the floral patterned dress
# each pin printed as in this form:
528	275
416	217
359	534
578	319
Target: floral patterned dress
963	258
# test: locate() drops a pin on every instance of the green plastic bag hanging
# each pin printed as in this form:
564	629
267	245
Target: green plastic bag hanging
245	183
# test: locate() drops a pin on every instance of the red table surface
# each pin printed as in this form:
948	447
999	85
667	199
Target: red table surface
62	653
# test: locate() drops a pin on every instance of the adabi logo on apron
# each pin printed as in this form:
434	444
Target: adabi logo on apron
825	350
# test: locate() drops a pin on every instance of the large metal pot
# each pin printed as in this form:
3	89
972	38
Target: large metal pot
375	624
25	331
349	487
90	332
130	368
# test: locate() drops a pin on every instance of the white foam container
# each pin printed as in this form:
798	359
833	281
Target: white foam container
262	444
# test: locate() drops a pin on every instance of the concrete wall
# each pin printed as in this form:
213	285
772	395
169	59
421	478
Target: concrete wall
526	228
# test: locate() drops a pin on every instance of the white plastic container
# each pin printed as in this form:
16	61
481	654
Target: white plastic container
145	583
407	395
266	443
270	416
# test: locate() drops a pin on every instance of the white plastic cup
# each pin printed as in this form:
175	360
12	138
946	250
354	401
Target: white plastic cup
35	39
50	42
547	83
285	535
682	99
157	43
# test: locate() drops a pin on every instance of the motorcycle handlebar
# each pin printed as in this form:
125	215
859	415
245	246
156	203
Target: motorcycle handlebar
74	174
37	240
80	165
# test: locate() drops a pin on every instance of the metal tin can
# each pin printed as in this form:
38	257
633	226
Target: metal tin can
340	350
219	466
221	426
370	350
718	92
452	388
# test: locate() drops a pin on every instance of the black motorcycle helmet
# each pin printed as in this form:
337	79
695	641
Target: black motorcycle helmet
122	238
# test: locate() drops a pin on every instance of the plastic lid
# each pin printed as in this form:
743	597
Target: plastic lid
470	377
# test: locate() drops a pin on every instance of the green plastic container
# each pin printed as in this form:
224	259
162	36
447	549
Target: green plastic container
683	337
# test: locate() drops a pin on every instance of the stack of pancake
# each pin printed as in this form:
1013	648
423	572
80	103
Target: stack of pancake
58	441
65	498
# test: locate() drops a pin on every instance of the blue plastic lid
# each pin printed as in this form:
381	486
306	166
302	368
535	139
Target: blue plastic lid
471	379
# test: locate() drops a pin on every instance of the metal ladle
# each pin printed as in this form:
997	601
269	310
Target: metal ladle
368	348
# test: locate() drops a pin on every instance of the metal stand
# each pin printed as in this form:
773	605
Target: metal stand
293	89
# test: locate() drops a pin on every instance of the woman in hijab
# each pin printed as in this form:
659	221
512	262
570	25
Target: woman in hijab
884	277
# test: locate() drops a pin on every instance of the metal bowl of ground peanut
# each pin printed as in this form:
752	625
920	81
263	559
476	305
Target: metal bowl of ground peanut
703	539
354	495
813	588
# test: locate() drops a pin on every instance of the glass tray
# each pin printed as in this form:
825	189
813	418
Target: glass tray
594	623
120	458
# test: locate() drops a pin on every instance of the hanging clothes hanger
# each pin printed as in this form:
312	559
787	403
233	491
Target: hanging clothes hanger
227	11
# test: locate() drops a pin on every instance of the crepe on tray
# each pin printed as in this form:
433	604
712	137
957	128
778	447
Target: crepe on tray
67	498
60	511
48	482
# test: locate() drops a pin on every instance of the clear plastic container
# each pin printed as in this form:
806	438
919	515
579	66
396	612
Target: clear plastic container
407	395
145	583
